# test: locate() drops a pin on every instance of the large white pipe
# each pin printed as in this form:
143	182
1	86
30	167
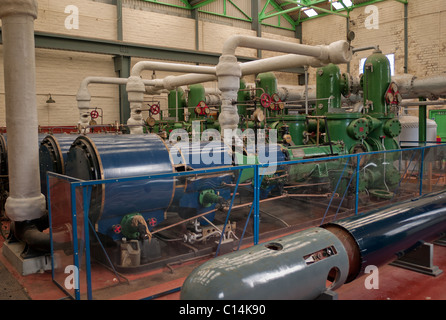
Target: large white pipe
229	71
411	87
279	63
336	52
25	201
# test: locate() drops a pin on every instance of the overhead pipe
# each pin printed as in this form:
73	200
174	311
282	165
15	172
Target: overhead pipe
83	96
25	202
298	266
411	87
229	71
136	88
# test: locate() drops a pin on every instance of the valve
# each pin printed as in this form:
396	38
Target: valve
393	95
155	109
202	109
277	103
117	228
265	100
94	114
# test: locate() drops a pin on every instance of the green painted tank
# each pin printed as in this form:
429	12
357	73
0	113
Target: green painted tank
290	128
196	96
268	82
328	88
176	99
376	81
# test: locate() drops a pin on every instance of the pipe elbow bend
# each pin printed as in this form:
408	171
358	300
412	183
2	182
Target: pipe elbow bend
340	52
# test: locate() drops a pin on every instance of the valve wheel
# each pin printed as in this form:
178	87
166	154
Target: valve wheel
155	109
152	222
198	110
117	228
265	100
94	114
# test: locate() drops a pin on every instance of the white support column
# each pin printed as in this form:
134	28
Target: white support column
25	201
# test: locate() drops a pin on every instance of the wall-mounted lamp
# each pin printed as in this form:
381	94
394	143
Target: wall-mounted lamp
50	99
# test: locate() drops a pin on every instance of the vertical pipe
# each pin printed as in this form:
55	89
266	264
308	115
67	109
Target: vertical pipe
422	114
406	38
25	201
119	20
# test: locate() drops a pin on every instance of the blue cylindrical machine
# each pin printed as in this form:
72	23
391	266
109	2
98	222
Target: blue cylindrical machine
99	157
53	156
384	234
293	267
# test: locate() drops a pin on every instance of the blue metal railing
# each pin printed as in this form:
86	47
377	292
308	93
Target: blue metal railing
86	188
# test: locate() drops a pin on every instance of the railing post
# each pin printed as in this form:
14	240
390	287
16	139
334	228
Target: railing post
77	295
256	204
421	171
86	197
358	160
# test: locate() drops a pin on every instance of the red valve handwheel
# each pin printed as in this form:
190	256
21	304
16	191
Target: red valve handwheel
155	109
94	114
265	100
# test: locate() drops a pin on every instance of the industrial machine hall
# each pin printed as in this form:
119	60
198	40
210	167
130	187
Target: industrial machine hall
226	150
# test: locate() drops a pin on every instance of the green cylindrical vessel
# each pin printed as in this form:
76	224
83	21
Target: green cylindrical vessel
328	88
176	98
196	95
376	81
268	82
296	126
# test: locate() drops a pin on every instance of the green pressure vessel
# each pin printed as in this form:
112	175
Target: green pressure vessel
376	81
328	88
196	95
176	99
295	127
268	82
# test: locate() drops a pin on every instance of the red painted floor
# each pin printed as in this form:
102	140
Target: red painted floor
394	284
400	284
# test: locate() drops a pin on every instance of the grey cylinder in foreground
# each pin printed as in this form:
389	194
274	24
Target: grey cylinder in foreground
293	267
25	200
297	266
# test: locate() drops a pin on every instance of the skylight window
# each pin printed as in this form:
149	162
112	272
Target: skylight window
338	5
310	12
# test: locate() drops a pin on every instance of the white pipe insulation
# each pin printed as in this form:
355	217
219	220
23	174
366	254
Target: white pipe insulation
25	201
136	88
83	96
229	71
411	87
